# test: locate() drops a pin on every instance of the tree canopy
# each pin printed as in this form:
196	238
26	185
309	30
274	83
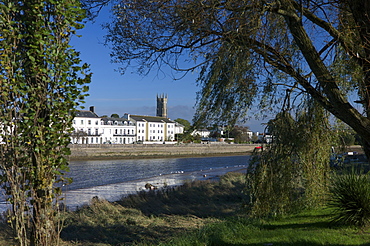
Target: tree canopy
250	51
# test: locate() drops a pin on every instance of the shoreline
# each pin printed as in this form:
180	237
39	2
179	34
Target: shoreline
74	199
156	151
125	157
116	152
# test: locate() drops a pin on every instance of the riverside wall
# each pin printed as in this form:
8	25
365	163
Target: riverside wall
105	151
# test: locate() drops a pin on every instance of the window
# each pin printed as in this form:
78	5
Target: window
96	131
89	122
97	122
74	122
82	122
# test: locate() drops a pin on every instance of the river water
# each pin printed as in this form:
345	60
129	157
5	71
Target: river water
112	179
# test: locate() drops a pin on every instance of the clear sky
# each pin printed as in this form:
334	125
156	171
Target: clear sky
110	92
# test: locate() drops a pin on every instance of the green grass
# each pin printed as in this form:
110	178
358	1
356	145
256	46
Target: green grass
303	229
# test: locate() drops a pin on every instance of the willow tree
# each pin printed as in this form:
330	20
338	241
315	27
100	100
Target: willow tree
42	81
251	48
293	173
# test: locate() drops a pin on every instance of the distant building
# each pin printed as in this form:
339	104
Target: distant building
204	133
86	127
89	128
153	129
118	131
162	106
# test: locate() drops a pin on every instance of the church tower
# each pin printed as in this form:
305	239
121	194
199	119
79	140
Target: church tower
162	106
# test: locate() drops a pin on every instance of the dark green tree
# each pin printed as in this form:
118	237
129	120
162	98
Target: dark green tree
114	116
42	82
249	50
240	134
185	123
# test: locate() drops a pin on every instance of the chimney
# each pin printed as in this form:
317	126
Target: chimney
92	109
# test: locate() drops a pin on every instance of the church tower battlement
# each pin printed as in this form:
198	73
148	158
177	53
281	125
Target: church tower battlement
162	105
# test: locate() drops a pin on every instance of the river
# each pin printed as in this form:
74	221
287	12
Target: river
112	179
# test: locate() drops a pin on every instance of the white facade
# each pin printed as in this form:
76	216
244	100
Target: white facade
87	128
92	129
153	129
118	131
204	133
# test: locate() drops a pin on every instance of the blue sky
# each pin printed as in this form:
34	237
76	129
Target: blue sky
110	92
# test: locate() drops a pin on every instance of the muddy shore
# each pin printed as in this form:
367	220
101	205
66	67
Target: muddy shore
135	151
101	152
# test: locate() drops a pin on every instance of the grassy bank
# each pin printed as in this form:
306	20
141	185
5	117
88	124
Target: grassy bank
198	213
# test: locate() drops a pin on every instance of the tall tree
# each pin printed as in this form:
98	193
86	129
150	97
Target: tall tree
42	81
292	174
254	48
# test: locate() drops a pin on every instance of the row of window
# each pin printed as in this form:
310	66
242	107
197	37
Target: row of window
97	140
120	123
124	131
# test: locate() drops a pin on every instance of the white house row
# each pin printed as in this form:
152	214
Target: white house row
89	128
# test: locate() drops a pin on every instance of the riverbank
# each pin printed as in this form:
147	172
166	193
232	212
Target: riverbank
133	151
113	192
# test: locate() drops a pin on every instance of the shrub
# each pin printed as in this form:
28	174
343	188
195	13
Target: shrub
350	198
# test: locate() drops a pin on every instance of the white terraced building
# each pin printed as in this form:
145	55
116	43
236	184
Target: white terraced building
153	129
89	128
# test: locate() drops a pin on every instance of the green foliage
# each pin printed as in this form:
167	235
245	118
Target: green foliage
240	134
291	174
42	82
350	198
185	123
228	87
345	136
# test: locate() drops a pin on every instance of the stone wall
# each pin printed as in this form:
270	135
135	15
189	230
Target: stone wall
107	151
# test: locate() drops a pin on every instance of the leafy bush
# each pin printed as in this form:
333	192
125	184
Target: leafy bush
350	198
